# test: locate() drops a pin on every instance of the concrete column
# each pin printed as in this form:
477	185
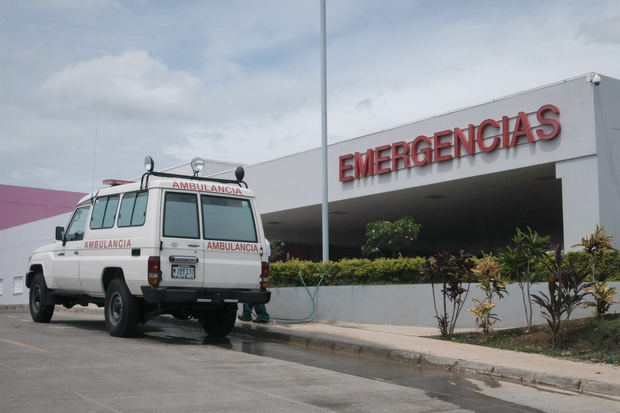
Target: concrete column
580	197
607	112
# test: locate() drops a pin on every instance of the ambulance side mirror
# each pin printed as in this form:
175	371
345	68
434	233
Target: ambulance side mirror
60	233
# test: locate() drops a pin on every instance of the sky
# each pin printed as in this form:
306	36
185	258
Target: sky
88	88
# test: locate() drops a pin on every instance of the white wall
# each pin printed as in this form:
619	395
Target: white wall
16	246
410	305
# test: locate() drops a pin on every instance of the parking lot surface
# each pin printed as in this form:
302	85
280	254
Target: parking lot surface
73	364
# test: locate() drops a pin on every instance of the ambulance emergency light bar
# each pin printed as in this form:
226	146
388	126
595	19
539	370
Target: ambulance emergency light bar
197	165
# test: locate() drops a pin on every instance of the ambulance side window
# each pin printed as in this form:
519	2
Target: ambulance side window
133	209
139	210
104	212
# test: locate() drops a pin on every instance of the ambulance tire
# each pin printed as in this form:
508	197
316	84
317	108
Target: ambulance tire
122	310
219	322
39	311
181	314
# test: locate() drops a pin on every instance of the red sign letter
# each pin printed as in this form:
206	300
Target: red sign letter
459	139
505	131
439	145
522	128
480	135
344	168
400	154
428	151
364	168
380	159
547	121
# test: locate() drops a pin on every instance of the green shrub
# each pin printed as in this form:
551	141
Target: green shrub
348	271
355	271
608	269
390	239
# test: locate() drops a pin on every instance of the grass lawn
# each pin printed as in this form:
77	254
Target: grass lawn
588	339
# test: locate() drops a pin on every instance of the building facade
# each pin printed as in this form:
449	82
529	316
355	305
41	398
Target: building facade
546	158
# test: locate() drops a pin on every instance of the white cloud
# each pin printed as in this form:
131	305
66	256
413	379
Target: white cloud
606	30
77	5
131	84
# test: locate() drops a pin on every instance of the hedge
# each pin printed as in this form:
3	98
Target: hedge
355	271
348	271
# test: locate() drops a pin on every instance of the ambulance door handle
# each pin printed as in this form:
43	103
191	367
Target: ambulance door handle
191	245
76	252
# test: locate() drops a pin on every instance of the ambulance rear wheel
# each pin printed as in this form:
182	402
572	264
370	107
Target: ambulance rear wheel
122	310
218	323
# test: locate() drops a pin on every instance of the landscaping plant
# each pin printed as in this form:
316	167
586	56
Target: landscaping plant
450	271
594	246
603	298
278	249
519	262
483	311
566	292
488	272
390	239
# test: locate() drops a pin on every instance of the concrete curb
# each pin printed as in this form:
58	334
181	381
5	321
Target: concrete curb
14	307
335	343
59	308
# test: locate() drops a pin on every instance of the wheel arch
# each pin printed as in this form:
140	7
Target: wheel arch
109	274
33	270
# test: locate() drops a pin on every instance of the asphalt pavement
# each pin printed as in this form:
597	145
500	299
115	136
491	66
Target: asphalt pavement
412	344
73	364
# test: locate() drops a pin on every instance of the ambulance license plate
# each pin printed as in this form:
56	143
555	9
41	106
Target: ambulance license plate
185	272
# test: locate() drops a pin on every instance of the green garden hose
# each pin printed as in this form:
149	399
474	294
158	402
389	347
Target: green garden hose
312	315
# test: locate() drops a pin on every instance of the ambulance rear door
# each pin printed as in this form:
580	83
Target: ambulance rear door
181	245
232	248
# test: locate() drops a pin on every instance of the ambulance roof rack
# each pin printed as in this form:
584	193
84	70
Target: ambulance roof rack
197	165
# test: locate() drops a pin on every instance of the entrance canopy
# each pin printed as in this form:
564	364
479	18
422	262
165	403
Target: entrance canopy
474	214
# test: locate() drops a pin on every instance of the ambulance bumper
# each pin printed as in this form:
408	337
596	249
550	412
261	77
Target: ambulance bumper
172	295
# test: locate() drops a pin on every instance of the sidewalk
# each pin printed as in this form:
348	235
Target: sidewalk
407	343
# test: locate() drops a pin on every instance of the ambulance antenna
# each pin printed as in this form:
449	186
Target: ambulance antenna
92	184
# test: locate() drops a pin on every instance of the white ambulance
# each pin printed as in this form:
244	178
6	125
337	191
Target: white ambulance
173	244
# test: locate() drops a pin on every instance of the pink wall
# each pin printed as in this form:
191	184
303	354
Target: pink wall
20	205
